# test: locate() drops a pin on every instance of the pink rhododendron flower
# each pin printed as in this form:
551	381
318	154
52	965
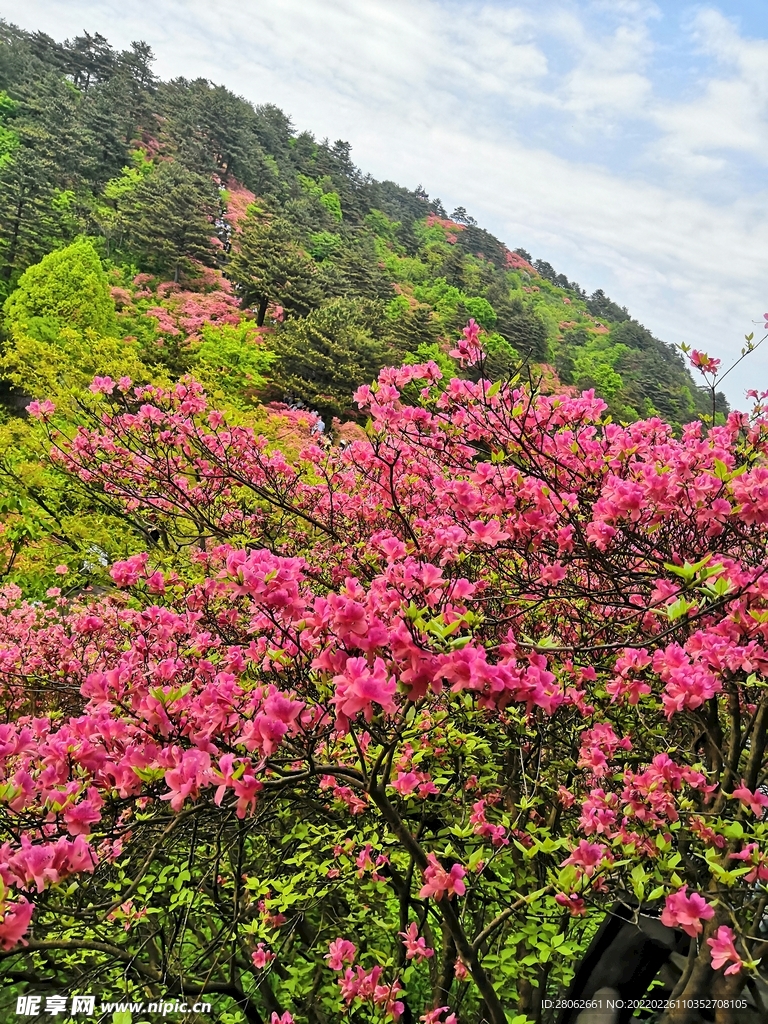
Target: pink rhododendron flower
587	857
460	971
102	385
41	410
686	912
574	903
261	956
15	923
415	945
438	882
703	362
724	951
340	952
469	348
757	801
436	1016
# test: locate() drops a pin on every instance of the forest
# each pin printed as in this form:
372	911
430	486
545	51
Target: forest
383	619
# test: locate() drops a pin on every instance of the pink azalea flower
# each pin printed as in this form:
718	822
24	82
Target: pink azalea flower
573	903
102	385
686	912
436	1016
438	882
15	923
41	410
757	801
261	956
415	946
340	952
724	951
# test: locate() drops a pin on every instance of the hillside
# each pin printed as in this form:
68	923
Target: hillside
237	245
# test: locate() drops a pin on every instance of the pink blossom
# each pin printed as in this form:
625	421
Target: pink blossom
703	362
15	923
261	956
724	951
41	410
438	882
436	1016
588	857
340	952
573	903
102	385
460	971
686	912
469	349
757	801
415	945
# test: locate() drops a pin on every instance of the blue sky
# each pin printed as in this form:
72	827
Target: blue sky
625	141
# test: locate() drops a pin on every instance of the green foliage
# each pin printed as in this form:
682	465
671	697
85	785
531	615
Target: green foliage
323	357
67	289
269	265
231	361
324	244
171	214
62	329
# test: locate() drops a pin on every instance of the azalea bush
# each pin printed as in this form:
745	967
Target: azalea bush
382	731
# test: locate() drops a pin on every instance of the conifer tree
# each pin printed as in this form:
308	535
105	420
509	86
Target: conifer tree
171	220
324	357
269	265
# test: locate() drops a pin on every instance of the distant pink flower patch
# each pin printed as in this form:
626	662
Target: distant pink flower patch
516	262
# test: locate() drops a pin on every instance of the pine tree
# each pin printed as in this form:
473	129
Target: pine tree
324	357
171	216
268	265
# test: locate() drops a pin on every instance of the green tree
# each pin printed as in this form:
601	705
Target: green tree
325	356
66	289
62	329
172	215
269	265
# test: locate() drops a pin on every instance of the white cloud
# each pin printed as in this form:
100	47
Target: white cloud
731	110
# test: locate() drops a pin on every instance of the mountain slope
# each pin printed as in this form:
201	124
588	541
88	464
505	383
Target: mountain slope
210	213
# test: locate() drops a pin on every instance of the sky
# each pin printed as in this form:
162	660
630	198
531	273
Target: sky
623	141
